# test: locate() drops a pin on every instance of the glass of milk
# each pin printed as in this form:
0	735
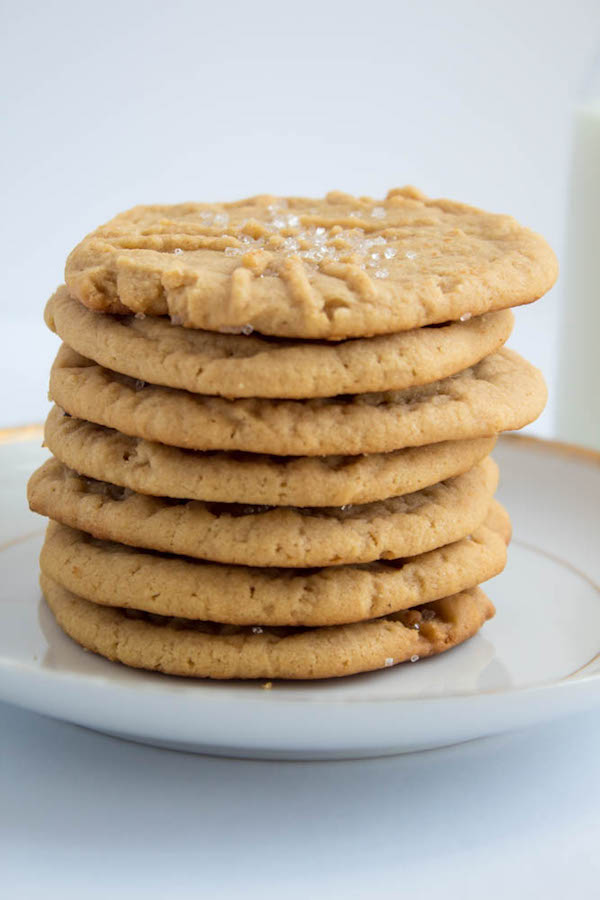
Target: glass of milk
578	406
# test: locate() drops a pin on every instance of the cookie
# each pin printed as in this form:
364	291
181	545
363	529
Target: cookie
329	268
263	536
502	392
150	468
115	575
207	650
227	365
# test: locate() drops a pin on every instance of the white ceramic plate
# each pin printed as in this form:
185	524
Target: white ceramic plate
536	660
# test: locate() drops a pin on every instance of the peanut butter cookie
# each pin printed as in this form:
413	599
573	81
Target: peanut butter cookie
332	268
208	650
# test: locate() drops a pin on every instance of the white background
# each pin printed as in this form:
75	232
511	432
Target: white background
116	103
111	104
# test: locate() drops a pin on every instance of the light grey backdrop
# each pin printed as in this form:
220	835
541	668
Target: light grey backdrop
108	105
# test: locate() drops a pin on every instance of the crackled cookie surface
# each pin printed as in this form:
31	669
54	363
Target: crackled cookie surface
331	268
203	362
502	392
151	468
116	575
208	650
263	536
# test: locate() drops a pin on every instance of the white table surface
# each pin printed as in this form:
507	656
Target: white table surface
88	816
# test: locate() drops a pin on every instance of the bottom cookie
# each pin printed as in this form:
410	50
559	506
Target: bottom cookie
208	650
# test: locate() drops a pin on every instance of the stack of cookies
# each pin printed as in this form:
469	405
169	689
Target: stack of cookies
272	431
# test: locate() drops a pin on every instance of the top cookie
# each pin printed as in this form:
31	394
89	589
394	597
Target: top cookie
329	268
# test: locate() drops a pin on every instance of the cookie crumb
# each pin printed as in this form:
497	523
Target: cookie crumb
267	685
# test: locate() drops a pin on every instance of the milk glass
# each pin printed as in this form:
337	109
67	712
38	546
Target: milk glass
578	409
